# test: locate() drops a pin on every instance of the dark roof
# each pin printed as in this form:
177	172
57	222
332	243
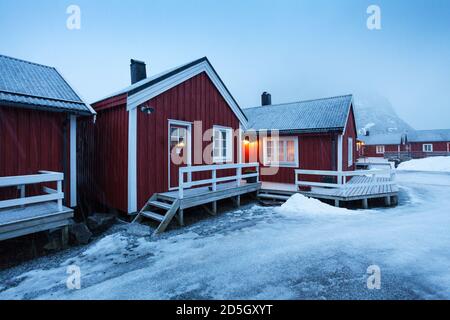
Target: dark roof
440	135
384	139
328	114
151	81
31	85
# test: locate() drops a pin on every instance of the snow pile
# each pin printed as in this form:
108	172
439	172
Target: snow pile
253	253
298	205
435	164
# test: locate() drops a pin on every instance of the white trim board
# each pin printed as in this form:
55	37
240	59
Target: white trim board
73	161
132	161
188	125
143	96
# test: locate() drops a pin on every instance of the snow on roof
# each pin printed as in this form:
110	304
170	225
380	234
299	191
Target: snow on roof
311	115
34	85
383	139
441	135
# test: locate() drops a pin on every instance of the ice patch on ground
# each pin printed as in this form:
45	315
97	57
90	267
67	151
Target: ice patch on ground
435	164
299	205
257	253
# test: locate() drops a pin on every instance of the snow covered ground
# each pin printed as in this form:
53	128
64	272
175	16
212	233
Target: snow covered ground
436	164
303	250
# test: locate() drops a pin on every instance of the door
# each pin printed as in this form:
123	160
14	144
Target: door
179	150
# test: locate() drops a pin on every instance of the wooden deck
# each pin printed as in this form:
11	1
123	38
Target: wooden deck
20	221
358	188
203	195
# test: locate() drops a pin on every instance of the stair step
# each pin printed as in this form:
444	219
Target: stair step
273	196
165	198
152	215
161	205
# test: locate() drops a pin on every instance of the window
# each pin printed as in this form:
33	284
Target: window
222	144
282	151
380	149
427	148
350	151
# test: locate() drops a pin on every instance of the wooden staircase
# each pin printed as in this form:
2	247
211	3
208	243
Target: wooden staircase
162	210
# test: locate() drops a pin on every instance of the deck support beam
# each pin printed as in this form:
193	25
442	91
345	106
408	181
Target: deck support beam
237	201
210	212
181	217
387	201
214	207
337	203
65	237
365	203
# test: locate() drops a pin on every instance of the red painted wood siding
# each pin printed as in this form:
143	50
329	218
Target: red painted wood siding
371	151
315	153
103	155
196	99
30	141
417	149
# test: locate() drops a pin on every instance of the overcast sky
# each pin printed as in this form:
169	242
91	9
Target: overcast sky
294	49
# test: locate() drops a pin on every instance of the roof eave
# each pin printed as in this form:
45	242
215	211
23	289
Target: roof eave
44	108
303	131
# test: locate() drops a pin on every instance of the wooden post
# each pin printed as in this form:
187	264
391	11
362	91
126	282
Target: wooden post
180	184
181	217
365	203
238	201
214	178
387	200
336	203
214	207
239	176
22	192
59	190
65	237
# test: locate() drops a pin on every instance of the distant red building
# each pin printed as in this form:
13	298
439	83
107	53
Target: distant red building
427	143
392	145
413	145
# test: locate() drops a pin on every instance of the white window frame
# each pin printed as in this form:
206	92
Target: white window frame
230	146
425	145
380	149
276	142
350	151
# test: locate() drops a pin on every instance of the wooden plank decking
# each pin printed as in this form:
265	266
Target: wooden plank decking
20	221
356	189
203	195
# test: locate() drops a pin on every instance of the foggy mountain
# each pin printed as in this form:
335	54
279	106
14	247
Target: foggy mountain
376	114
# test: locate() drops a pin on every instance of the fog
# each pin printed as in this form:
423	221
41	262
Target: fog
294	49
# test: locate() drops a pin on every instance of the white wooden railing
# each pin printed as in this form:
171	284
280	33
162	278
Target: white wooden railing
342	177
43	177
214	179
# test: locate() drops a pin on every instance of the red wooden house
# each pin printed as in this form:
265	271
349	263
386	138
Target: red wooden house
390	146
38	111
426	143
126	156
310	135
